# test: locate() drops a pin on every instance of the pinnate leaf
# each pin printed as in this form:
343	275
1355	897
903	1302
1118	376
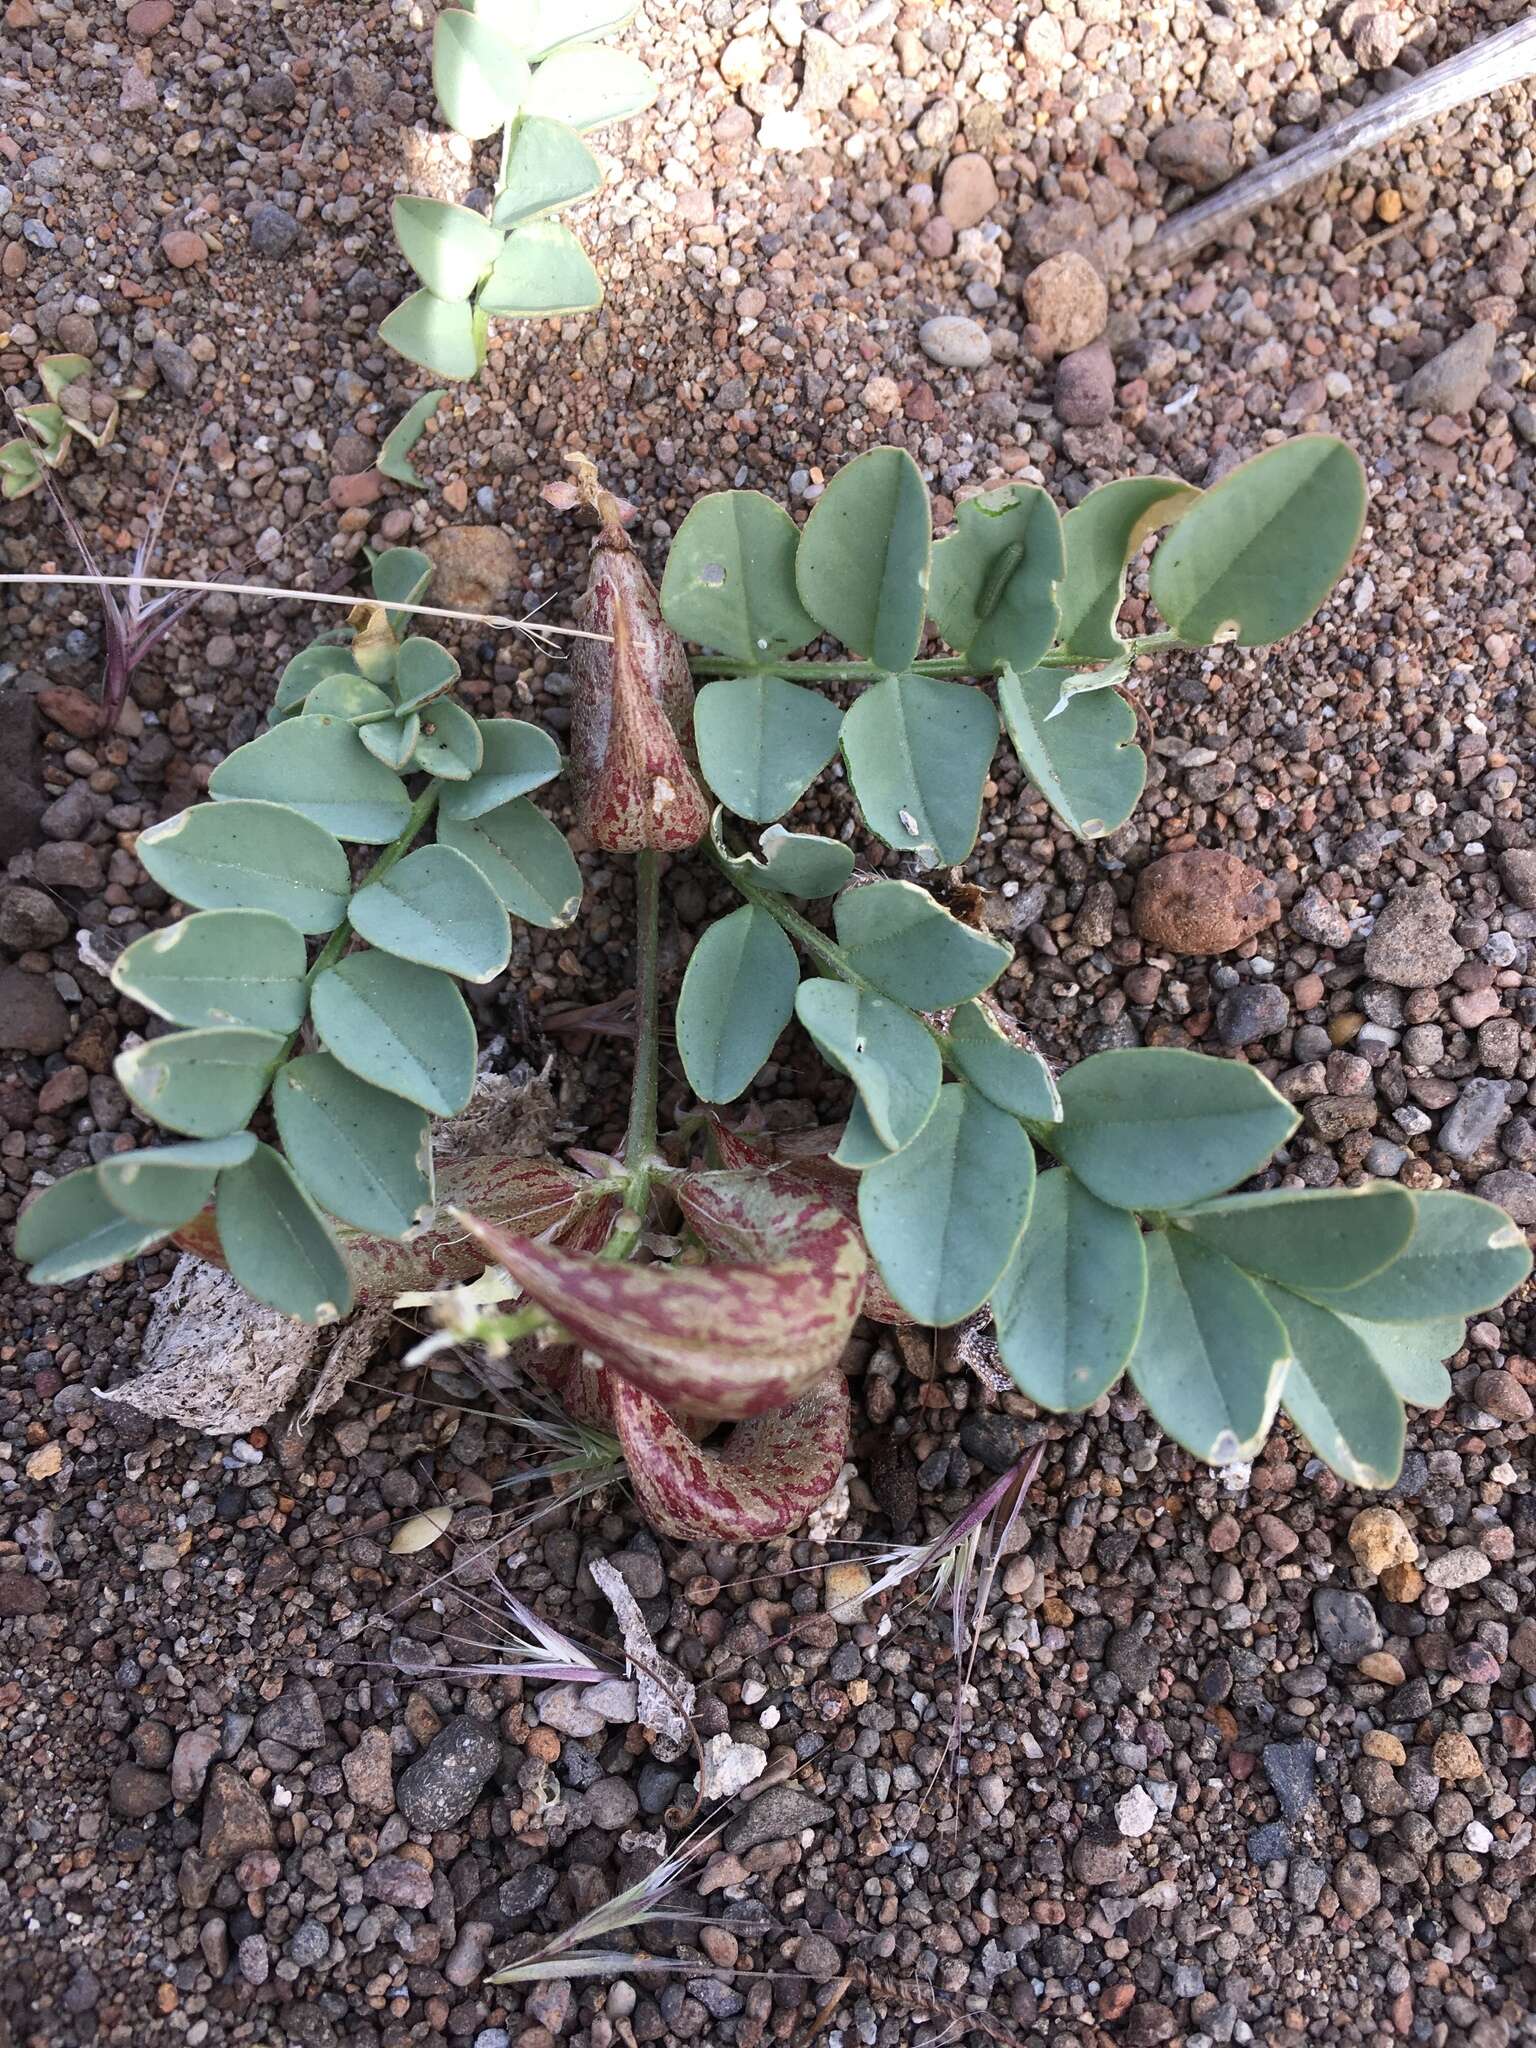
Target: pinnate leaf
762	742
1082	757
1255	556
281	1249
767	1477
862	566
897	937
1211	1353
218	967
204	1083
1464	1255
364	1155
1154	1128
250	856
730	579
1068	1308
882	1048
942	1216
724	1341
919	752
72	1229
993	583
435	907
737	996
320	768
403	1027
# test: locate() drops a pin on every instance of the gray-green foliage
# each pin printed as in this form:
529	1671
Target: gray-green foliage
1024	598
1129	1255
535	73
359	1039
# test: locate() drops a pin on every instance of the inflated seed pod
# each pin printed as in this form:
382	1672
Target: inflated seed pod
632	705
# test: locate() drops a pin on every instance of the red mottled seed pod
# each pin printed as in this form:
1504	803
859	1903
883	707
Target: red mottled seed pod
632	705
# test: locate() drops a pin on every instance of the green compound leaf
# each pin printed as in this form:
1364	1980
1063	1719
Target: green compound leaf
559	22
424	669
393	741
250	856
1413	1355
400	576
72	1229
1334	1237
542	270
170	1184
203	1083
450	745
404	1028
1154	1128
883	1049
1103	535
730	579
587	87
762	742
445	336
395	455
320	768
449	247
438	909
349	697
309	668
1464	1255
1211	1354
1011	1075
860	1144
897	937
737	996
481	78
862	568
524	858
364	1155
942	1216
1083	759
1254	558
792	863
218	967
918	754
549	166
278	1245
1068	1309
516	758
517	20
992	591
1337	1394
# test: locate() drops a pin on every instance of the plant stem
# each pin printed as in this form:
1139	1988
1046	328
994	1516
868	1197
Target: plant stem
866	671
640	1138
824	951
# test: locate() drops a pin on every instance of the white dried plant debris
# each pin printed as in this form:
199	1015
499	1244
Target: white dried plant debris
665	1699
834	1510
214	1359
729	1767
351	1353
512	1115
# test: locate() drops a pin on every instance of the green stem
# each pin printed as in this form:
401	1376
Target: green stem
866	671
397	849
640	1138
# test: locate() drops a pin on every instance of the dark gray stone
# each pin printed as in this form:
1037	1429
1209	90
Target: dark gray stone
446	1779
780	1812
1291	1768
1346	1623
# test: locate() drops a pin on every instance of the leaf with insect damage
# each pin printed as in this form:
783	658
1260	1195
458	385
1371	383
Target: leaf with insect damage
992	592
763	1481
727	1340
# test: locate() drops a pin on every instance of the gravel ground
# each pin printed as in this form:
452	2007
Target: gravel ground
1239	1768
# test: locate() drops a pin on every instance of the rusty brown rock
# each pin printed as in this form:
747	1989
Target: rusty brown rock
1201	902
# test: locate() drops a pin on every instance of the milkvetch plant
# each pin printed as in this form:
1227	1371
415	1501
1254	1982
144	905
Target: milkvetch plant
69	410
701	1280
534	70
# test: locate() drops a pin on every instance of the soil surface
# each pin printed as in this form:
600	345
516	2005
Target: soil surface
1225	1776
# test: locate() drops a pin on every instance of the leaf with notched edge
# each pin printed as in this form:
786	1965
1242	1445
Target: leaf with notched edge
763	1481
724	1341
